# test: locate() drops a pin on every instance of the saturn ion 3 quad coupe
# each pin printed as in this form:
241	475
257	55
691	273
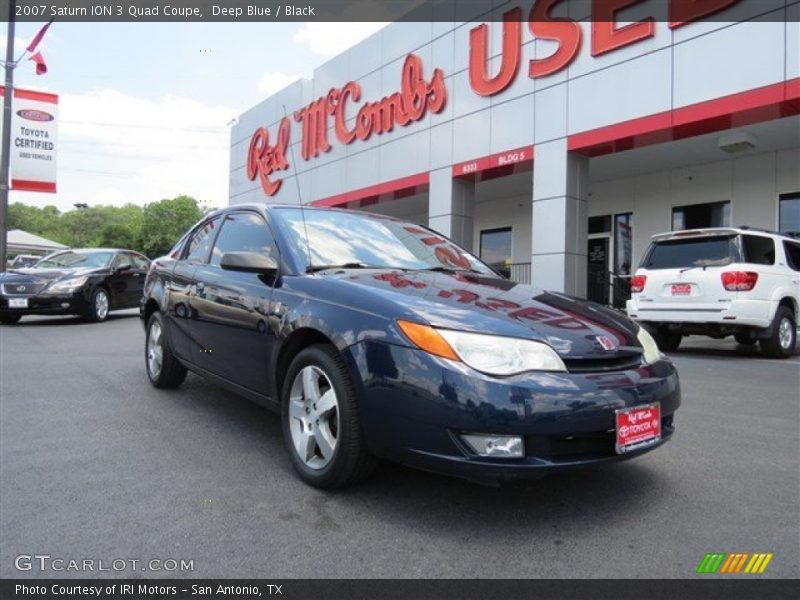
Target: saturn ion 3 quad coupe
377	338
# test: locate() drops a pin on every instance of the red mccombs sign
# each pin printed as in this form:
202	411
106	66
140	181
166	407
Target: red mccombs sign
419	95
416	97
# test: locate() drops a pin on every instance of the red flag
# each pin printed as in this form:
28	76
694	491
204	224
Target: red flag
41	66
38	37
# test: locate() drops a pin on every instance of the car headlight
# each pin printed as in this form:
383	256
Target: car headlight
651	351
67	285
492	354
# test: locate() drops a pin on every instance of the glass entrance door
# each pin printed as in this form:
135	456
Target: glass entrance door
597	284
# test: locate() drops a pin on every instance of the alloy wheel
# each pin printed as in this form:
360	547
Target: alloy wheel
785	333
313	417
101	305
155	350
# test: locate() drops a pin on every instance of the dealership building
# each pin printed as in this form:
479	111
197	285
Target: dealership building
552	149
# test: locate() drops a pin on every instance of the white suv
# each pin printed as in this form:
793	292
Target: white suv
738	281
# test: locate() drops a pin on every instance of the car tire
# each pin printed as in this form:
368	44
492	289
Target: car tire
744	339
9	319
668	341
167	372
783	337
99	306
325	443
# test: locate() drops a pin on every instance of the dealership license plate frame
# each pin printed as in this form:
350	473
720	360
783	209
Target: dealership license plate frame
640	441
681	289
17	303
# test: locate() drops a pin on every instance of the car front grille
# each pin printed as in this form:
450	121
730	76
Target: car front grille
595	365
595	444
22	289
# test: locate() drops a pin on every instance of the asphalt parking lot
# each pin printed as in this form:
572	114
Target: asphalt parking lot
95	463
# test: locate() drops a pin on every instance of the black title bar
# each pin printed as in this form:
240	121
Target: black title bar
271	11
715	588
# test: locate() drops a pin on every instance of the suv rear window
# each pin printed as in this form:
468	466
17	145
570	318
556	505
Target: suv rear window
715	251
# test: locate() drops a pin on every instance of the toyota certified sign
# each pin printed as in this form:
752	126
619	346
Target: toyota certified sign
34	137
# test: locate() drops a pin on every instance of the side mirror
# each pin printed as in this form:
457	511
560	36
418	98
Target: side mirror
123	268
249	262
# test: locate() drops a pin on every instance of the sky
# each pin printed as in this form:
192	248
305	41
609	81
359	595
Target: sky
145	108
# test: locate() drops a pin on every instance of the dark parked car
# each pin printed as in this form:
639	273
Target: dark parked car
378	338
89	282
20	261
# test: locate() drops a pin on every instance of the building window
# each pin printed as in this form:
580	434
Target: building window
600	224
496	248
789	214
699	216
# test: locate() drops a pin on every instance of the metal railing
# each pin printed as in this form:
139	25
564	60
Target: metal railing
618	287
518	272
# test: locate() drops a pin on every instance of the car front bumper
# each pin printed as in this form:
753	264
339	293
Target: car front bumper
48	304
414	407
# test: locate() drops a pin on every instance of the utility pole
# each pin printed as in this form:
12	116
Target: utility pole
5	149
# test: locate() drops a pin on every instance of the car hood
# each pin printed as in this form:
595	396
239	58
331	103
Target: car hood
44	275
576	328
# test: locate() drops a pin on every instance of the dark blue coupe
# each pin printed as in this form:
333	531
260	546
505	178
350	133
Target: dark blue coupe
377	338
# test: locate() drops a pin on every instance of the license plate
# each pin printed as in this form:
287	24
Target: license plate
17	303
638	427
681	289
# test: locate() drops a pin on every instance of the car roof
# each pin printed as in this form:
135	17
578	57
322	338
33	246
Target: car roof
266	207
96	250
714	231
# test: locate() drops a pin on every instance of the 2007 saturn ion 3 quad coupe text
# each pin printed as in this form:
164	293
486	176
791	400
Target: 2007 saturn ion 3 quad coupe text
378	338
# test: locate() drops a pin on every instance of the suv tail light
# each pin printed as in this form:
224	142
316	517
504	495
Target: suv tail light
637	283
739	281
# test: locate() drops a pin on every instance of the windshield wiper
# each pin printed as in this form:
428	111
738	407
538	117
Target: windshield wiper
350	265
443	269
704	267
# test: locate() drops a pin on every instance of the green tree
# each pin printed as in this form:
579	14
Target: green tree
40	221
152	229
165	221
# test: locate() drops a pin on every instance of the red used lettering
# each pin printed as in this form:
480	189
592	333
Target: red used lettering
606	36
565	31
682	12
479	78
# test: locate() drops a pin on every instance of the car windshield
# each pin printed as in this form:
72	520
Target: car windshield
715	251
75	260
25	261
353	239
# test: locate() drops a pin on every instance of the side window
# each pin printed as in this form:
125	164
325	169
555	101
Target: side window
243	232
758	250
200	241
140	262
122	260
792	255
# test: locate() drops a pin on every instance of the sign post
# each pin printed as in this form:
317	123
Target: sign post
5	149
